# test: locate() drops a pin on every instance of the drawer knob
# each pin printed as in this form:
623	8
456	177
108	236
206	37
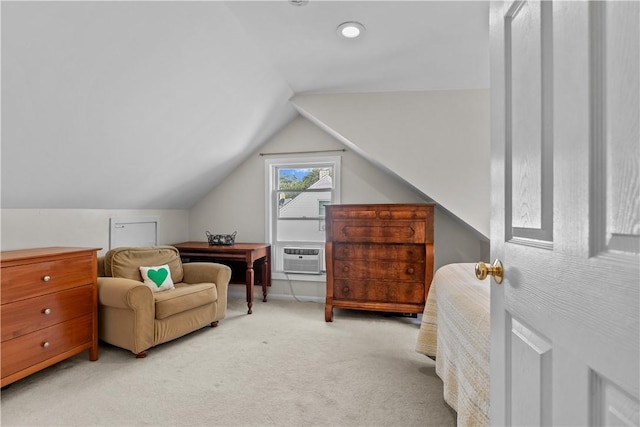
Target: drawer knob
345	289
410	270
46	344
46	311
345	268
46	278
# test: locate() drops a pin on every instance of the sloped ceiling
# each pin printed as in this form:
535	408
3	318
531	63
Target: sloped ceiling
151	104
129	105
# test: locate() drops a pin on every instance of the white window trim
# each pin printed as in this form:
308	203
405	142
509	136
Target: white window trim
271	166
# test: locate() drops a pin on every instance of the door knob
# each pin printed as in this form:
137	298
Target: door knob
483	270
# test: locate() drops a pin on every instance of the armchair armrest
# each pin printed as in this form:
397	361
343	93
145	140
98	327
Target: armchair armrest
124	293
208	272
127	313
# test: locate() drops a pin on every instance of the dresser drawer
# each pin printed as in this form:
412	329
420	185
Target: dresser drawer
379	291
25	316
379	231
28	350
370	212
376	252
395	270
34	279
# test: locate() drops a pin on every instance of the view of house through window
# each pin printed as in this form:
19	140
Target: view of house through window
298	194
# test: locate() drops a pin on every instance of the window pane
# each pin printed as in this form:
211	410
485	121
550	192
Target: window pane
301	230
303	192
303	178
321	205
305	204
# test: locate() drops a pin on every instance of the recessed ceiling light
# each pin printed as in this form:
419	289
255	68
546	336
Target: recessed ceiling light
350	30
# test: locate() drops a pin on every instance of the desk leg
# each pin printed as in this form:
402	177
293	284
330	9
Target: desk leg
266	280
249	280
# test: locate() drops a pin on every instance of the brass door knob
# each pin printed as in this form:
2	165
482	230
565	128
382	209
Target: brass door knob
495	270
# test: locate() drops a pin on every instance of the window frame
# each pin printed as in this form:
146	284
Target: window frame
271	207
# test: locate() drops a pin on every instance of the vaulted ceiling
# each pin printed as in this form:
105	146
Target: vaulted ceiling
152	104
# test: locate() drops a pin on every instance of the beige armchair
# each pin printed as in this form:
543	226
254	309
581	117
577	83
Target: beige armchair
134	317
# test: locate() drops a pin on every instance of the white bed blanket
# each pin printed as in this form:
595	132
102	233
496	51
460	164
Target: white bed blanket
455	329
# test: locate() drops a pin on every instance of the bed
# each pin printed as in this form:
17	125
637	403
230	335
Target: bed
455	330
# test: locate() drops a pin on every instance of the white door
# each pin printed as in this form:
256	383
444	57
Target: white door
566	212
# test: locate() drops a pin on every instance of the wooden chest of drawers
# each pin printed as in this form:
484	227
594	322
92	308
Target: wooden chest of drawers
379	257
48	309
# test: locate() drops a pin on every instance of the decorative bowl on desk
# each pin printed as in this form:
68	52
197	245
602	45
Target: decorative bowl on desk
221	239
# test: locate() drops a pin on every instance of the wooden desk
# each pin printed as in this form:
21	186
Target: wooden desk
247	253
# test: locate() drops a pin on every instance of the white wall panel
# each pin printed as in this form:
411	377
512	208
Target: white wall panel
437	141
29	228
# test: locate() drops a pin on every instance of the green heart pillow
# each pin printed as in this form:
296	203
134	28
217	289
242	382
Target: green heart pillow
158	278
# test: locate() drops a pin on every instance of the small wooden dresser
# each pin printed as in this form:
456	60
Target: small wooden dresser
379	257
48	308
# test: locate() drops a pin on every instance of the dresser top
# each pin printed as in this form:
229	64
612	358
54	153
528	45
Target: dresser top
13	257
384	205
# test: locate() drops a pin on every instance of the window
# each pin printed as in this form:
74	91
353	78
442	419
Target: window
321	205
297	192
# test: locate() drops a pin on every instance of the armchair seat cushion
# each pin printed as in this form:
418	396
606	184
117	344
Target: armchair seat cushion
183	297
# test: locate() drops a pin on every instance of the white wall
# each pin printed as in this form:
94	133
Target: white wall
238	203
438	141
31	228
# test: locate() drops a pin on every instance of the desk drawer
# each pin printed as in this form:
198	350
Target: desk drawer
28	350
25	316
31	280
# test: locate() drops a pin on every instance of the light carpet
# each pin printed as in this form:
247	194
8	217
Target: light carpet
283	365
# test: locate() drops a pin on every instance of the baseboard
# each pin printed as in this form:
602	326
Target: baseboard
239	292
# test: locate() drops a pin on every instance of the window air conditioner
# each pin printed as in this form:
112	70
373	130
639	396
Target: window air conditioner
302	260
